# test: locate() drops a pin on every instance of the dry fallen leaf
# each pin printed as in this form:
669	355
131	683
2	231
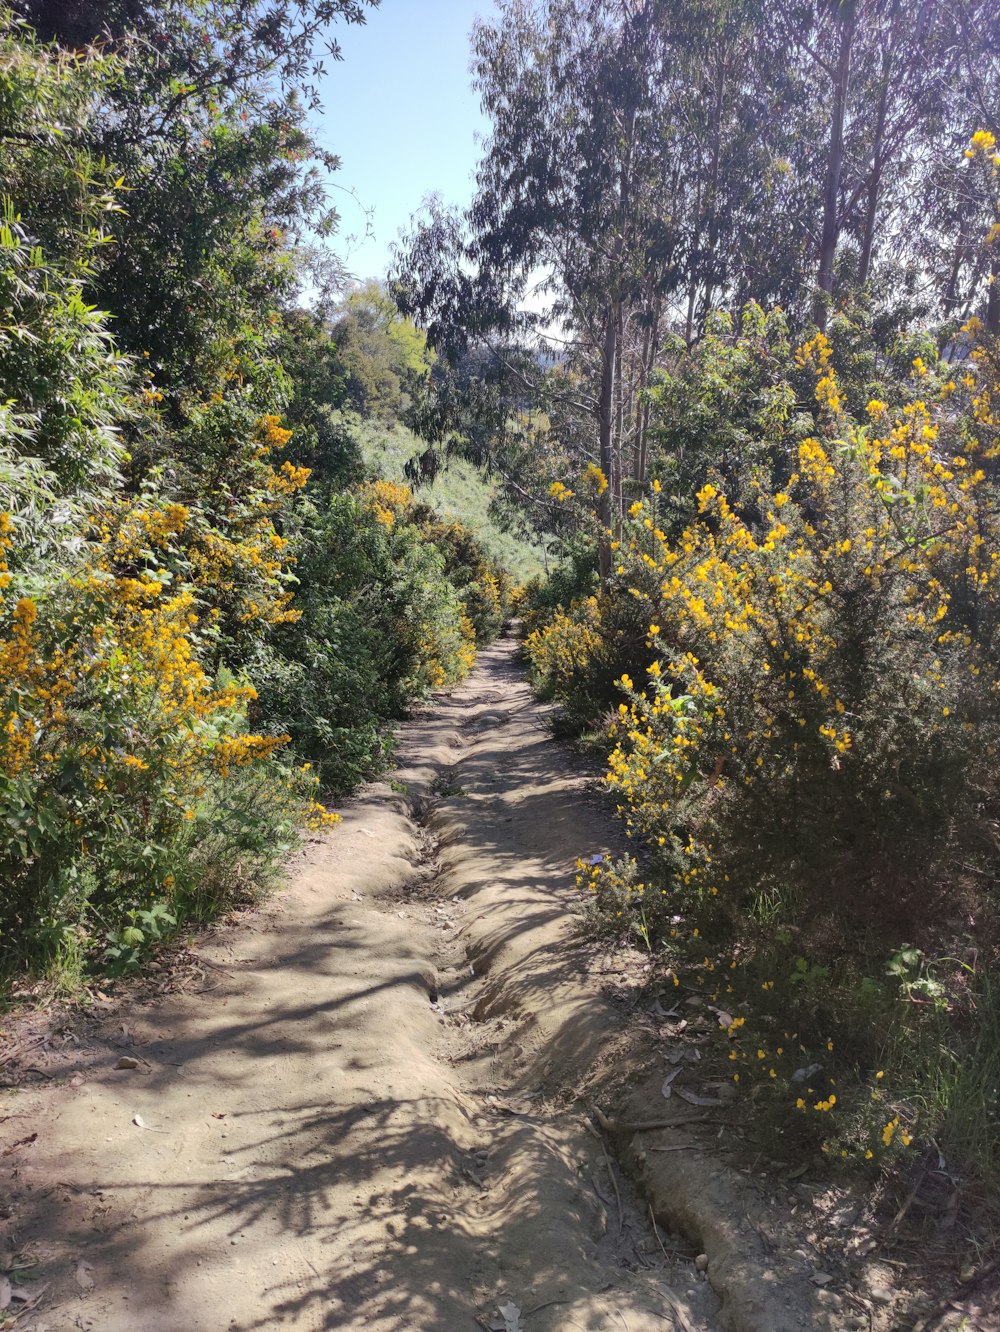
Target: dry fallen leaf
693	1098
666	1088
5	1292
803	1074
139	1122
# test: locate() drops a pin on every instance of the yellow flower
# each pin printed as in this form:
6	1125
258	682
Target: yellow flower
597	477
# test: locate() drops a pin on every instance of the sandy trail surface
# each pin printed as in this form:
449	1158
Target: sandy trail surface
373	1113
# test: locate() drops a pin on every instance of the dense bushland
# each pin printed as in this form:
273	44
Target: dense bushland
804	746
392	603
777	602
207	617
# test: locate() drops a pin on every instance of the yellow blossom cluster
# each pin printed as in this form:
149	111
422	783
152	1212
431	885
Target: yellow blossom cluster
389	500
564	646
273	435
756	667
983	144
594	477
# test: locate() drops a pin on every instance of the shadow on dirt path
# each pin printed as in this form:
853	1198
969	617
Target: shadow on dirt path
370	1119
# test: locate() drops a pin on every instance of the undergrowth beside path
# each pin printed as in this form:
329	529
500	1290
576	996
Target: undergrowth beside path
795	678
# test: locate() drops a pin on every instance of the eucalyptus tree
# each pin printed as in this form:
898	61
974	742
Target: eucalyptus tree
578	183
885	91
198	49
957	193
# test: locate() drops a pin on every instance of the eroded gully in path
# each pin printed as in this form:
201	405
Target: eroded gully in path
374	1121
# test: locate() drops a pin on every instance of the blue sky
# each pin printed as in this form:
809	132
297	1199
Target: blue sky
400	112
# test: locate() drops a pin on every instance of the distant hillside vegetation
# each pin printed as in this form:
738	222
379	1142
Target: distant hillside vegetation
458	491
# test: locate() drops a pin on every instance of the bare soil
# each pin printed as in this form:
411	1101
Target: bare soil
356	1109
371	1104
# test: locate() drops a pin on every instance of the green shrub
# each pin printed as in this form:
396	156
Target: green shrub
386	598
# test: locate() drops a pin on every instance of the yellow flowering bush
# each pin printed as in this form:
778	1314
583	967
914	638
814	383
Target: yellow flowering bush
561	650
444	634
820	709
484	585
578	639
805	754
118	752
229	542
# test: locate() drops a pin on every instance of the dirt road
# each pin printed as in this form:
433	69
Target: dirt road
370	1117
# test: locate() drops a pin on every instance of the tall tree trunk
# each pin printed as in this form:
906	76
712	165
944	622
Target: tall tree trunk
639	404
618	447
605	417
878	154
950	298
712	196
874	196
695	267
834	168
979	270
993	298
